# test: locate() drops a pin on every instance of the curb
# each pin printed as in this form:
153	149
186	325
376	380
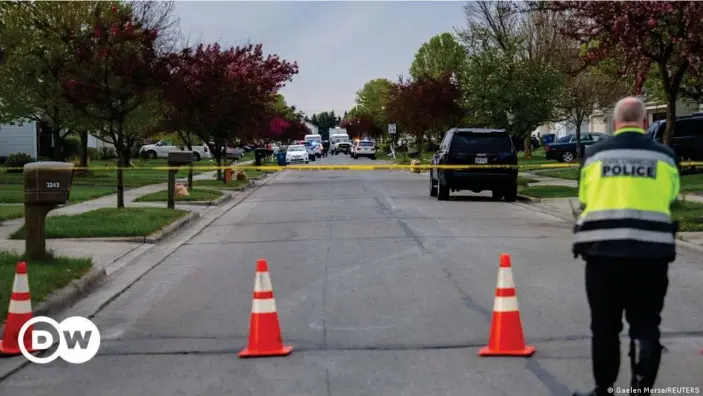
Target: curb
683	242
527	198
131	271
69	294
65	297
224	198
171	228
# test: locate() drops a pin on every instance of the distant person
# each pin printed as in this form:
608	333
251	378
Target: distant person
269	151
627	238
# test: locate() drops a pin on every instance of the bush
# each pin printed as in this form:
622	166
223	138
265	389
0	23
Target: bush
71	147
93	154
3	160
15	162
134	152
106	153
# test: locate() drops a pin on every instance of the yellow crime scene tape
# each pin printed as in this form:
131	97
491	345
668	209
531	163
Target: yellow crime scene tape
344	167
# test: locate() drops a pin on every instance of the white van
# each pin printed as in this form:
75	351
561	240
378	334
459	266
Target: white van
313	138
339	143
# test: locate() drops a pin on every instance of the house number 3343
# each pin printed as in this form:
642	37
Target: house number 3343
53	185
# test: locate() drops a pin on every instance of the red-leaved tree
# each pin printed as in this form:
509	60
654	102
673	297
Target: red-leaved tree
296	131
114	70
225	91
668	34
362	126
420	105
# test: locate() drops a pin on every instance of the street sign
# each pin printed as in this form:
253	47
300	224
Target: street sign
391	129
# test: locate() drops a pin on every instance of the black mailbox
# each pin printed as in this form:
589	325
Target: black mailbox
180	158
47	182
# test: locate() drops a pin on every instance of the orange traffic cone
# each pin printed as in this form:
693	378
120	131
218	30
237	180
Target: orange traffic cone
506	338
19	312
265	331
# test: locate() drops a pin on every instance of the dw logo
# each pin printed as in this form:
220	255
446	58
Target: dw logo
79	340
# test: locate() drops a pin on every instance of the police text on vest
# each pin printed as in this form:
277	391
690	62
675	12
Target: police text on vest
629	168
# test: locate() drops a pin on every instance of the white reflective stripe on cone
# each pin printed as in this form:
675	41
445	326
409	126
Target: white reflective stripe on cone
262	306
505	278
505	304
262	283
20	307
21	284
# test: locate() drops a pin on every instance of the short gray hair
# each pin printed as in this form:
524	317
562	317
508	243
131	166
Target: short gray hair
630	110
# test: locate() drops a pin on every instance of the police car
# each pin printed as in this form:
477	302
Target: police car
310	149
297	154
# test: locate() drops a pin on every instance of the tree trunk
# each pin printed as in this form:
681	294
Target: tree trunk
418	143
84	150
580	152
121	160
527	146
57	154
670	116
190	177
219	168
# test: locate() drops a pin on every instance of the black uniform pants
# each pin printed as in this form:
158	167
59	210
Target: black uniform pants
638	288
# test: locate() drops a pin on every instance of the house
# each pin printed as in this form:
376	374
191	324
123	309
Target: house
30	138
23	137
313	128
602	121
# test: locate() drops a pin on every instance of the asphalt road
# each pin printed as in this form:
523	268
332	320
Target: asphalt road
381	289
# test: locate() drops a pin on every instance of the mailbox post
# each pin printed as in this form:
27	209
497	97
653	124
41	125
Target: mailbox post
174	160
46	186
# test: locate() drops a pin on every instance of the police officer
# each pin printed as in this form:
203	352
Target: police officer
627	238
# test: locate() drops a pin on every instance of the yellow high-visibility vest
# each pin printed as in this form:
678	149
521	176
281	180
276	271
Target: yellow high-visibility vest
627	185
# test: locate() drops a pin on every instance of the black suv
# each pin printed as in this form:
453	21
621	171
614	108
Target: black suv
472	146
687	141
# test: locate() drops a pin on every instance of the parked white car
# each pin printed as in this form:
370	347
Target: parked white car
297	153
364	148
161	149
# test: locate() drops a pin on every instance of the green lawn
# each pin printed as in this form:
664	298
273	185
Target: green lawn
689	214
566	173
219	184
108	222
549	191
522	181
692	183
195	195
9	212
103	173
535	162
14	193
689	183
45	276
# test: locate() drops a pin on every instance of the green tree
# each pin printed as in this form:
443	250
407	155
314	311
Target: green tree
37	58
372	100
325	121
441	55
511	80
501	91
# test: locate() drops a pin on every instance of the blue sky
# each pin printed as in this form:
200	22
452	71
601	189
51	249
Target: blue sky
338	45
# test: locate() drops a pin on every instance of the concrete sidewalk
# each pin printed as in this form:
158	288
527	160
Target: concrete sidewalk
540	180
559	207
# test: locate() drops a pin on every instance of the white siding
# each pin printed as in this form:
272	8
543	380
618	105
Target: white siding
97	143
313	128
603	121
20	138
